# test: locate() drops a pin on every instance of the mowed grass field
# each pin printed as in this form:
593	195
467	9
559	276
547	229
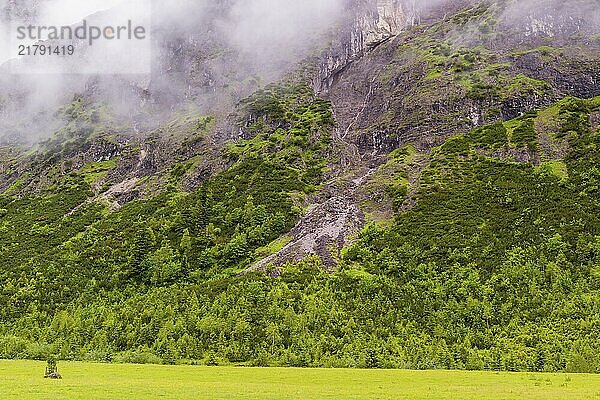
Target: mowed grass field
22	380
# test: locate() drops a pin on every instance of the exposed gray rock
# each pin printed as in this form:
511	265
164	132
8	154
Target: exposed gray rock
324	231
368	24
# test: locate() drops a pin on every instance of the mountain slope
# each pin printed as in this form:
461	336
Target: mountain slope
508	285
425	196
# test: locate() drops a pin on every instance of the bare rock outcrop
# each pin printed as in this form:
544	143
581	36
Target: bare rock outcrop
369	23
324	231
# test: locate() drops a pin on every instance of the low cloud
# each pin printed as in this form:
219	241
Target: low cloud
269	35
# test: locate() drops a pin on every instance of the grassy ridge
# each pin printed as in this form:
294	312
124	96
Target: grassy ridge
21	380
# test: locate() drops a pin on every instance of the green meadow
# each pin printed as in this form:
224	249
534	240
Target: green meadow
23	380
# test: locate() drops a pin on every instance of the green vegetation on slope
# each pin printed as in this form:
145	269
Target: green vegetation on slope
499	259
496	267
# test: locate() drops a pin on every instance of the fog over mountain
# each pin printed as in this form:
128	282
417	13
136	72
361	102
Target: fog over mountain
208	54
257	40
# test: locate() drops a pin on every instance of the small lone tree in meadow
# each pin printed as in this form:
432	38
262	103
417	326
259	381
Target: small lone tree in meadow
52	369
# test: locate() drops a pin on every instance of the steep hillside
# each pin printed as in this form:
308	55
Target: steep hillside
496	266
465	66
419	192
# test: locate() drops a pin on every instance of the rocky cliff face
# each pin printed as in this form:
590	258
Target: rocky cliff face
554	19
368	24
488	62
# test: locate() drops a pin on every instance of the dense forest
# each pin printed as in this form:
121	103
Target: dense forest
496	266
